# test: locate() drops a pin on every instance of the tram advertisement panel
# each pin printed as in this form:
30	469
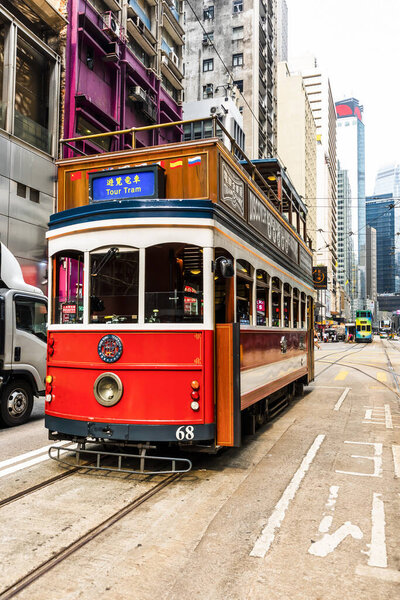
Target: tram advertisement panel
268	225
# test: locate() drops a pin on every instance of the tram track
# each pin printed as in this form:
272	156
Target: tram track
37	487
65	552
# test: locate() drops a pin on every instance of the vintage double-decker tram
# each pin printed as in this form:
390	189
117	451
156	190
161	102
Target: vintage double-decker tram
180	296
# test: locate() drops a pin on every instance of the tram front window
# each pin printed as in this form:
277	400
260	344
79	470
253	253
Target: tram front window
114	280
174	284
68	293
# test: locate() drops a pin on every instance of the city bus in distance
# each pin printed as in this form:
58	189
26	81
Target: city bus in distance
364	326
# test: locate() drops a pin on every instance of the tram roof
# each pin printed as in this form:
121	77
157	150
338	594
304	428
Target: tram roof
271	169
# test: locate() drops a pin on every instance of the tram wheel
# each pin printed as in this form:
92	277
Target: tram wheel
16	403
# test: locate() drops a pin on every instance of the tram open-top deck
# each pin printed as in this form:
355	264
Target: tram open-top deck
139	294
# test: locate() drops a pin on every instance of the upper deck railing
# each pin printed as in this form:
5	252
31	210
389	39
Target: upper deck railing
284	202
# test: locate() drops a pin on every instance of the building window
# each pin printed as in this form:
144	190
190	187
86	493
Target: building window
208	91
21	190
90	58
34	195
2	106
208	37
237	6
208	65
237	60
32	95
239	84
208	13
237	33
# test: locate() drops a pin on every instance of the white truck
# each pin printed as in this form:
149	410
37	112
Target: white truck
23	342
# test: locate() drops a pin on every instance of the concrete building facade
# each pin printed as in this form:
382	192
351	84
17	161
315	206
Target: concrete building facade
282	31
243	34
123	69
345	241
371	266
30	57
296	140
318	88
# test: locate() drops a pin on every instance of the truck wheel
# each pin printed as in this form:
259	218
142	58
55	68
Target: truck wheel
16	403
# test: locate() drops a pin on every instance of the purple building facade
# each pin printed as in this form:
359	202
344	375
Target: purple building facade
123	69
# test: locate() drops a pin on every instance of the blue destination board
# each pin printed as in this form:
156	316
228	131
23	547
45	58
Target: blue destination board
123	186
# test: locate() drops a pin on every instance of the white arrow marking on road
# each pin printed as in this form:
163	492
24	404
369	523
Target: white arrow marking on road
330	541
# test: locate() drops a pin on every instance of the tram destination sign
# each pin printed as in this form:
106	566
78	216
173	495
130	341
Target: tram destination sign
127	184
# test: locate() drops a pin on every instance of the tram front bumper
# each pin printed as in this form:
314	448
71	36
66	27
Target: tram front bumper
59	427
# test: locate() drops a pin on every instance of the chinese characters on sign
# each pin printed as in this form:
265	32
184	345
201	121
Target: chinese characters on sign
123	186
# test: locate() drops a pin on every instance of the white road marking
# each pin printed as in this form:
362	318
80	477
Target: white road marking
327	387
368	414
326	521
342	399
330	541
15	459
386	575
377	460
267	536
28	463
396	460
377	552
388	417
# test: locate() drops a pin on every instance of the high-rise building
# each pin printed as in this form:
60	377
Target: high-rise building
282	31
296	140
30	57
123	69
318	88
382	213
226	45
371	264
345	241
351	153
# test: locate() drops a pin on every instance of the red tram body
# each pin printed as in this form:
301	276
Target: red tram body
178	308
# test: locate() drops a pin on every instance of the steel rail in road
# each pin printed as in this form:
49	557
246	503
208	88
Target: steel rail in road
339	359
38	486
46	566
337	352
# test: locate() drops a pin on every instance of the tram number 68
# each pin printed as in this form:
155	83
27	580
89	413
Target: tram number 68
185	433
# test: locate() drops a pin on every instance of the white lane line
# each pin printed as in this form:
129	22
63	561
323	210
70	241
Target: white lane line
15	459
388	417
386	575
396	460
29	463
327	387
368	414
377	552
267	536
342	399
326	521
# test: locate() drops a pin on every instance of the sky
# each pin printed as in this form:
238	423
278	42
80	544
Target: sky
357	44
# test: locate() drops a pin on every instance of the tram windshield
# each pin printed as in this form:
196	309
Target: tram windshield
68	291
114	281
174	284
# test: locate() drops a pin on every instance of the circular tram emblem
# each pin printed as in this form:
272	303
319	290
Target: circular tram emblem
110	348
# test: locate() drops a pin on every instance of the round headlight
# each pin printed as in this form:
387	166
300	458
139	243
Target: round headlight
108	389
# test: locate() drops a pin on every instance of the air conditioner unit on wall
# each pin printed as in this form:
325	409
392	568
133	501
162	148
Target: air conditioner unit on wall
137	94
175	59
111	25
112	52
139	23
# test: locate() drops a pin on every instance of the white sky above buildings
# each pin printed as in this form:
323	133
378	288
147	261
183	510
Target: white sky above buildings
356	43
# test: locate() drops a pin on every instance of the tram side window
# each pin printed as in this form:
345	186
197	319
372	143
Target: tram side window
276	302
114	281
244	291
262	300
68	287
287	296
296	307
303	309
174	284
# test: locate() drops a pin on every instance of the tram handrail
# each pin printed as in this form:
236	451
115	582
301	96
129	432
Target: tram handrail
134	130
